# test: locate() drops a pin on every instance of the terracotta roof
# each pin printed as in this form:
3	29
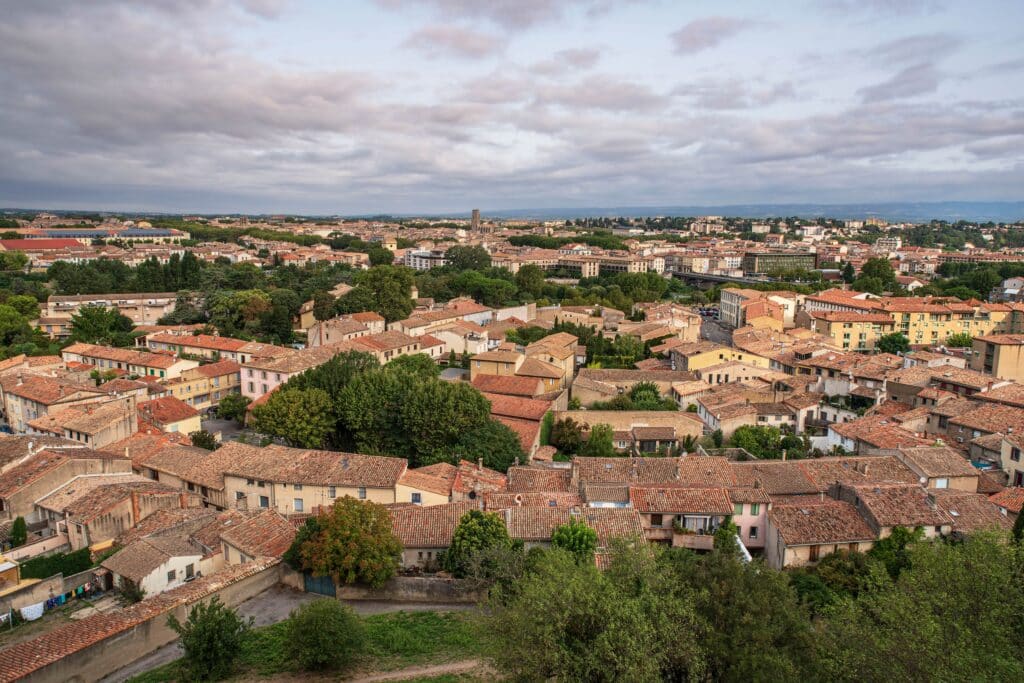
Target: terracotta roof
526	430
626	470
138	559
611	523
830	522
971	511
990	417
265	534
45	390
532	367
166	410
675	499
939	461
386	341
859	470
201	341
616	376
196	465
474	477
307	466
517	407
123	385
553	499
14	447
878	432
1011	498
509	385
139	447
606	493
428	527
895	505
534	523
441	485
531	479
219	369
775	477
748	495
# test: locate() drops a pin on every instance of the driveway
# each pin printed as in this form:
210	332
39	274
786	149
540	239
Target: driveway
269	607
229	429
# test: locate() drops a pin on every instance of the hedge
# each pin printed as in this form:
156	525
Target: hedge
59	563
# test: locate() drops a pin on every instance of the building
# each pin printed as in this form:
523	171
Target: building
264	534
203	387
131	362
738	307
426	532
799	535
94	425
765	262
425	259
169	414
1001	355
28	397
852	331
141	308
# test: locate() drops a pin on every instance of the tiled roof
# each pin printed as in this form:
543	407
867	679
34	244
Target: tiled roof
1009	394
166	410
775	477
738	494
526	430
24	658
428	527
22	474
99	500
676	499
861	470
139	447
477	478
200	341
939	461
990	417
532	367
219	369
554	499
971	511
1011	498
122	385
64	496
606	493
386	341
196	465
895	505
15	447
301	360
138	559
531	479
626	470
302	466
508	385
534	523
611	523
45	390
830	522
878	432
615	376
265	534
706	471
517	407
441	485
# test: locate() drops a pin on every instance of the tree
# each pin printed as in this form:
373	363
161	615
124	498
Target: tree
895	342
567	435
323	634
204	439
461	258
211	639
759	441
383	289
530	280
233	407
893	551
496	444
868	284
1018	528
101	325
717	438
849	274
726	536
323	306
355	544
962	340
24	304
576	538
379	256
881	269
600	443
19	532
302	417
309	530
476	531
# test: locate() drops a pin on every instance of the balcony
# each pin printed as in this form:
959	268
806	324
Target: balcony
693	541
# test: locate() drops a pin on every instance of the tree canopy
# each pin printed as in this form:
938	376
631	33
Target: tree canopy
352	541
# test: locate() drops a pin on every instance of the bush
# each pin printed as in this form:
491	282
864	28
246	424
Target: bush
59	563
323	634
211	638
19	532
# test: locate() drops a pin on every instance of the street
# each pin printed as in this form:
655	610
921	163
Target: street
712	330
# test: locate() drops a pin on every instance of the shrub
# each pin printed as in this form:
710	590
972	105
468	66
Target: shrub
19	532
323	634
211	638
59	563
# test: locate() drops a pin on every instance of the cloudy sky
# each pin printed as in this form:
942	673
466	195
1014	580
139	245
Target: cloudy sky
351	106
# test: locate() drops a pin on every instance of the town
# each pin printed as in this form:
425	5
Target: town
442	410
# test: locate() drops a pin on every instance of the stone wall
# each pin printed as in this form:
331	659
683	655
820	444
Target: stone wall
31	593
415	589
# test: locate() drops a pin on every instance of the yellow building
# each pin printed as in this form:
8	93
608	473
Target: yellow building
203	387
704	354
1001	355
852	331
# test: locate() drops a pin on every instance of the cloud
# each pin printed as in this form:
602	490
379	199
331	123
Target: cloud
912	81
439	41
733	93
511	14
567	60
884	7
704	34
915	48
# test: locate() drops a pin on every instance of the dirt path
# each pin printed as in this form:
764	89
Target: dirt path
463	667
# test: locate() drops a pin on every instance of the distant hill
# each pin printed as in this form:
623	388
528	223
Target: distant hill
1006	212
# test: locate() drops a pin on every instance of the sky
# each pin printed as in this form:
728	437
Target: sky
439	106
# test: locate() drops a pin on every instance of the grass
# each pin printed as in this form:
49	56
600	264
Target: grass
393	641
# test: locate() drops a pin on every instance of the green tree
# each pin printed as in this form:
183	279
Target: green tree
881	269
475	532
868	284
567	435
204	439
491	441
310	529
25	305
893	551
725	539
530	280
101	325
962	340
355	544
19	532
323	634
600	443
379	256
233	407
323	306
759	441
461	258
1018	528
849	274
211	639
302	417
383	289
895	342
717	438
576	538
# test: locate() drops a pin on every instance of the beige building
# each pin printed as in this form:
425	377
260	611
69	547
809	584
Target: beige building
1001	355
94	425
141	308
141	363
28	397
800	535
852	331
203	387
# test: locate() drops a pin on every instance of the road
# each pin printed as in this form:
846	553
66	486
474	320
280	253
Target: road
269	607
712	330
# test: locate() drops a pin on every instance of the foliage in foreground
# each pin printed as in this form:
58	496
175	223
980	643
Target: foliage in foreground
211	639
323	634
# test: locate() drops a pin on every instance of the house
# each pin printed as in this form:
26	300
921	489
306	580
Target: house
702	354
140	363
851	331
750	514
800	535
140	307
534	525
264	534
594	384
155	564
970	512
259	377
27	397
92	424
1010	458
1001	355
426	531
686	517
1010	501
525	387
203	387
170	414
640	431
940	467
887	506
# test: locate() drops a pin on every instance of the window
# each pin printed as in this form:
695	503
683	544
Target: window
297	487
252	387
332	492
250	482
417	498
239	495
362	493
1015	454
942	483
264	502
171	576
297	504
755	508
753	532
737	509
261	484
190	571
813	553
656	520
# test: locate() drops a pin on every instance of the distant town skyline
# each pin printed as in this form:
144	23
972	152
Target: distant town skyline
426	106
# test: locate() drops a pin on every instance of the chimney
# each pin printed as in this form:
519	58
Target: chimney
182	500
517	461
135	507
21	379
479	464
783	455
